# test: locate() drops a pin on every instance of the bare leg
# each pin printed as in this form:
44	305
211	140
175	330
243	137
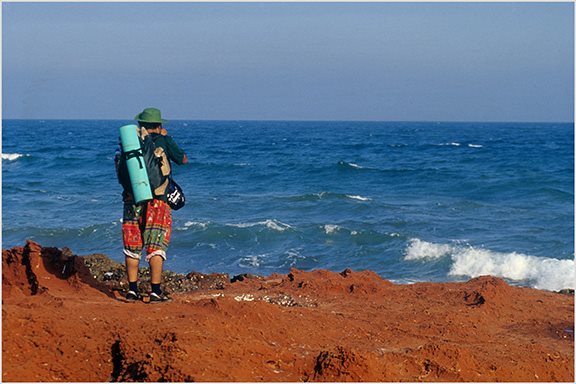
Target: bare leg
156	264
132	268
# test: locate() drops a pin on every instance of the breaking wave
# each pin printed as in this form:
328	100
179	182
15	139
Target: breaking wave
343	165
358	197
12	156
326	196
270	224
457	144
540	272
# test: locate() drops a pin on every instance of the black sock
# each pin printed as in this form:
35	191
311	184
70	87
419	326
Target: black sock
133	286
156	289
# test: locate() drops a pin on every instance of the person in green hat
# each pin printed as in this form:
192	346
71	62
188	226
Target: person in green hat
147	227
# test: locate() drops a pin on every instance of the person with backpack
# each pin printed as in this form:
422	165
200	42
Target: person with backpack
147	226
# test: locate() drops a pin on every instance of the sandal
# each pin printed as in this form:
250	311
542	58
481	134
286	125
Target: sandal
161	298
133	296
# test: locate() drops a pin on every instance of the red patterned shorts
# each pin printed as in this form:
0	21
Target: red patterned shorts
147	227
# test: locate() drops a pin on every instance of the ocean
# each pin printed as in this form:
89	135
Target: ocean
412	201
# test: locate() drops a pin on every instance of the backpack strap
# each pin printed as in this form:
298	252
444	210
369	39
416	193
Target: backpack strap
137	153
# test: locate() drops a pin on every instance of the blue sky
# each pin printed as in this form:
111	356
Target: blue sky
290	61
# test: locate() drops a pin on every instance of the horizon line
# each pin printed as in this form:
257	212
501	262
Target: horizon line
312	120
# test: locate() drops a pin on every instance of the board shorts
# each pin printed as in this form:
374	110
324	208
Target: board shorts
146	227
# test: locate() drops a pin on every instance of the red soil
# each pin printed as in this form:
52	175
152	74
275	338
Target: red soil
59	324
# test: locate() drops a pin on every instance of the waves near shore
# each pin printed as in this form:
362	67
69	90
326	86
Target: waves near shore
539	272
267	196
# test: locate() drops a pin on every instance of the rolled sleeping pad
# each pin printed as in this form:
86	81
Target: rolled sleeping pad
135	163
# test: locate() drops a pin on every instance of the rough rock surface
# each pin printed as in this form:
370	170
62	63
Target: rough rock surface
64	320
113	275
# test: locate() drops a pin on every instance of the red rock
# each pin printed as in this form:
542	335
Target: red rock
304	326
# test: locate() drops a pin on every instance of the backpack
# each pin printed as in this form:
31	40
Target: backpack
155	160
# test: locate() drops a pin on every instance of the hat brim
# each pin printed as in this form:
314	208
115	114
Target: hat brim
140	120
152	121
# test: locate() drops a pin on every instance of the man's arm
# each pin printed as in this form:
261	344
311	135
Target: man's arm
174	152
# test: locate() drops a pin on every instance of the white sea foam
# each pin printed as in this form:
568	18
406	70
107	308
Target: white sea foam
456	144
329	229
252	261
292	257
276	225
353	165
196	224
418	249
270	224
358	197
12	156
542	272
244	225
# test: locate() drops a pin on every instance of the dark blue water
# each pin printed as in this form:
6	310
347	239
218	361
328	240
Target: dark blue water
411	201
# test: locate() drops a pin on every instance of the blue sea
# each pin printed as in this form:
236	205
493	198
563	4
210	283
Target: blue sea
412	201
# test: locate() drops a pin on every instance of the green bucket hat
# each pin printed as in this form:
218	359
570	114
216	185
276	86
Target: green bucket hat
150	115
